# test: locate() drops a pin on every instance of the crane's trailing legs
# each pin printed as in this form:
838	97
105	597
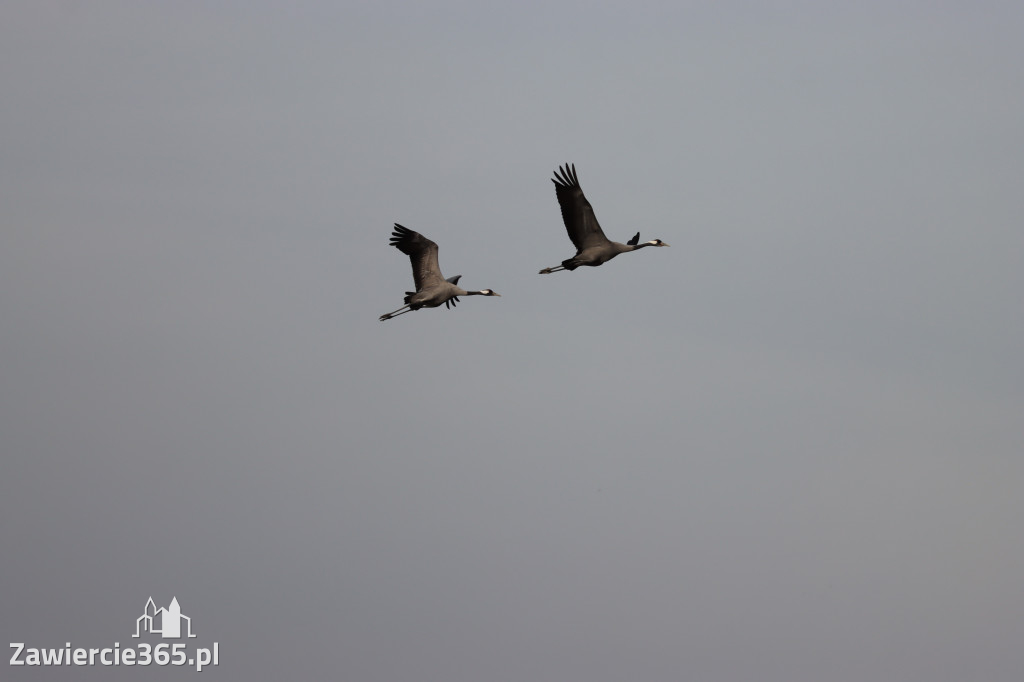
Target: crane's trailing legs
395	313
408	308
554	268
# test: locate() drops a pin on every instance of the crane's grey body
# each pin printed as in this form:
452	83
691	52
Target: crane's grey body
592	247
432	290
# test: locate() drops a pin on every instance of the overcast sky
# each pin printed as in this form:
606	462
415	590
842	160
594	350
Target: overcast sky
787	448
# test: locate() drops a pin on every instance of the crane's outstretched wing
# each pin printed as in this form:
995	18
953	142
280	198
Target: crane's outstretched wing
577	213
423	254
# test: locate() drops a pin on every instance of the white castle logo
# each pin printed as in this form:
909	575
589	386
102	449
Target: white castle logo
166	622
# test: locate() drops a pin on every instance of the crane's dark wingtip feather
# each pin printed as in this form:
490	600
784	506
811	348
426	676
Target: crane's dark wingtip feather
409	241
399	233
566	176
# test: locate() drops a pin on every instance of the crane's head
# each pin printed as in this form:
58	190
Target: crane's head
636	239
488	292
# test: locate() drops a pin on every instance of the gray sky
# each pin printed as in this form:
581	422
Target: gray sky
787	448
